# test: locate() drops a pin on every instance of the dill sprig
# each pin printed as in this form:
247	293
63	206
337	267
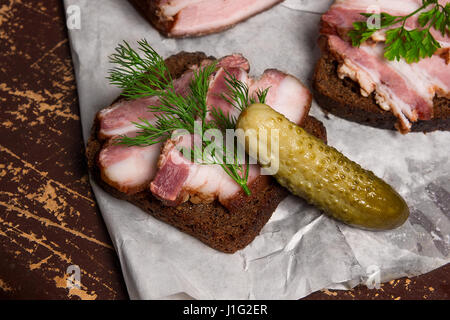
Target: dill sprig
139	76
412	45
238	95
145	74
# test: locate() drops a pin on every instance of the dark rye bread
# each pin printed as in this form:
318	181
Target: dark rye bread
149	9
219	228
343	99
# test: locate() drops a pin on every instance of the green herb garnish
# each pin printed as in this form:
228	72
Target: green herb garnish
146	74
412	45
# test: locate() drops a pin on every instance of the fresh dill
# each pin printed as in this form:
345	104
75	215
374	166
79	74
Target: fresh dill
144	74
239	95
411	45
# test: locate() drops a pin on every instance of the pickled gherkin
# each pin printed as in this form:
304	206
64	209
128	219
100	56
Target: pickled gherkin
320	174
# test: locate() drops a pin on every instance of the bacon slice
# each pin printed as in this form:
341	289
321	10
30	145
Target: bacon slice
287	94
392	90
118	119
407	90
128	169
199	17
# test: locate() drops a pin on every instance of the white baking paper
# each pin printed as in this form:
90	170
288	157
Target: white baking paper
300	250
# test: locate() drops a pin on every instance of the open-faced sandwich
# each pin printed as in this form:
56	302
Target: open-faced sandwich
188	18
161	146
386	63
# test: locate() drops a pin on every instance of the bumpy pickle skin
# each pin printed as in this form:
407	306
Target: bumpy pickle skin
323	176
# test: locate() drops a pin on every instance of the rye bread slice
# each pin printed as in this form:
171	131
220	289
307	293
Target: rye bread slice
343	99
214	225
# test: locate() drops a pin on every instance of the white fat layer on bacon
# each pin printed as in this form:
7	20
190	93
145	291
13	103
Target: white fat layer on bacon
129	169
418	78
365	80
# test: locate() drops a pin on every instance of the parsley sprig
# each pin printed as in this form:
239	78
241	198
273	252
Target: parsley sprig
145	74
412	45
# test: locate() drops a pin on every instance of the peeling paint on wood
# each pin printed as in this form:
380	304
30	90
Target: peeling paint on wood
48	216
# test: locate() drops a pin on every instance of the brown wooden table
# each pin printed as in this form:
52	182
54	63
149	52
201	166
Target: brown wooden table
48	216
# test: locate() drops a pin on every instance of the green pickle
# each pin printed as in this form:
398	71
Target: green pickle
322	175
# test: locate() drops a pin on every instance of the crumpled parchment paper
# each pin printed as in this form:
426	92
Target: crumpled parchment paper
300	250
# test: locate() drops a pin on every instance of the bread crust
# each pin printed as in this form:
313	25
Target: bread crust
224	230
342	98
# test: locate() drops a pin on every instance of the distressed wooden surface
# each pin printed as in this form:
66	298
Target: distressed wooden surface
49	219
48	216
